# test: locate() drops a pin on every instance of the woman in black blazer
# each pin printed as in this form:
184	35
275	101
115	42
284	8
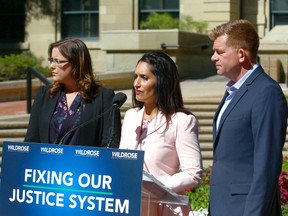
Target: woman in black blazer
76	109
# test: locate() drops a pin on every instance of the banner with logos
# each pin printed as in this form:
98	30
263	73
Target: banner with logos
47	179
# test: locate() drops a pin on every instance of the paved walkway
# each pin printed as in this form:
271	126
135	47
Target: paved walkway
12	108
210	87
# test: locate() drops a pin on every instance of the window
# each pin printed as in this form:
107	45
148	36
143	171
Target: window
12	21
158	6
279	12
80	18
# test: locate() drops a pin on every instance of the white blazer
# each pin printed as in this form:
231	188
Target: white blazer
172	156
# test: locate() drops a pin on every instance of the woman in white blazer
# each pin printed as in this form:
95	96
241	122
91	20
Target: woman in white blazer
159	124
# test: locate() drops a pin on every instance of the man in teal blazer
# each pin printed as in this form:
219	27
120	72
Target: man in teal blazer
249	128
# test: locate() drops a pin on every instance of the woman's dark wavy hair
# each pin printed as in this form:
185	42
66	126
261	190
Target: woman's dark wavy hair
169	96
77	53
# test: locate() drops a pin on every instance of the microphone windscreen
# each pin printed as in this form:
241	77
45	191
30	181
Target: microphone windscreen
119	99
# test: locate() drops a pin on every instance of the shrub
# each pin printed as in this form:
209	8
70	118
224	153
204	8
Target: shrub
166	21
160	21
199	197
15	66
283	183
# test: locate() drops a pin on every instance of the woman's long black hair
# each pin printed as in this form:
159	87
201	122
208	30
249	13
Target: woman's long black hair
169	95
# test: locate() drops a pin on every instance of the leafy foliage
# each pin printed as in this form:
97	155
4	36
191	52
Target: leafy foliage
166	21
15	66
283	183
199	197
160	21
188	24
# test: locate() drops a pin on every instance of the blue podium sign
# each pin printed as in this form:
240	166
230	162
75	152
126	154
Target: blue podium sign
47	179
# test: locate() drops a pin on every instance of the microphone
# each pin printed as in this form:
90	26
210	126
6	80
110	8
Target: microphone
118	100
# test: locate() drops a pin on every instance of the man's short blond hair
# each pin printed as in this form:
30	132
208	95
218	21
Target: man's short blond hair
240	34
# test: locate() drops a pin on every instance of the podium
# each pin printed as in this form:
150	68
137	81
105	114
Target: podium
154	192
47	179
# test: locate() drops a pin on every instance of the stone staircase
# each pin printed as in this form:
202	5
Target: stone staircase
204	109
13	128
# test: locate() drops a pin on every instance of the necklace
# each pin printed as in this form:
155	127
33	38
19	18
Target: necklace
145	123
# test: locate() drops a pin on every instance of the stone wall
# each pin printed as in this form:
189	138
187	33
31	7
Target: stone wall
16	90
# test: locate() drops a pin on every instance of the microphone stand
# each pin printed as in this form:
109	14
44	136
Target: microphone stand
117	102
109	144
82	125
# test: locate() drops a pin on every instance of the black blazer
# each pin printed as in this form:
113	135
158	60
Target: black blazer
97	133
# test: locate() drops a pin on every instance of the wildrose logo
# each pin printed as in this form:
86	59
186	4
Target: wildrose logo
18	148
125	155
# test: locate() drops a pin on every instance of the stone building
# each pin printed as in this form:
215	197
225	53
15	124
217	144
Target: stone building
111	30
